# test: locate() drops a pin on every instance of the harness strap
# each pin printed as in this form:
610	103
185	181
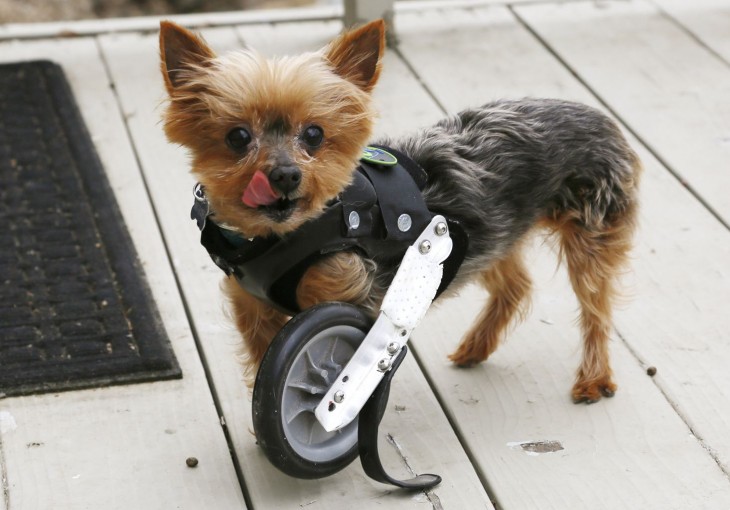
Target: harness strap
368	427
380	214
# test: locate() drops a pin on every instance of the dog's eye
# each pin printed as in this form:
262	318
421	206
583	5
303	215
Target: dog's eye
313	136
238	139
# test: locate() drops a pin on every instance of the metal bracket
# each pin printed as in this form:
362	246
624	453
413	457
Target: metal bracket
406	302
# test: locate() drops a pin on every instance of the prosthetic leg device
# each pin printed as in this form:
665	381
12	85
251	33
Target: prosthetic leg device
323	384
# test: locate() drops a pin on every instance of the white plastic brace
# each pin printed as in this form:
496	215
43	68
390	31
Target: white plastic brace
404	305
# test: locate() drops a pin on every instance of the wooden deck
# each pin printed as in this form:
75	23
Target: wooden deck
661	67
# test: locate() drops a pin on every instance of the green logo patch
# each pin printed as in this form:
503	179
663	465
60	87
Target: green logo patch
378	156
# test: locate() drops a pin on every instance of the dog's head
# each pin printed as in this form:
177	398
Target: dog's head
272	140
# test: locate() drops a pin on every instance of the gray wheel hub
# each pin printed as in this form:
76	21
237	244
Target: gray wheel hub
313	371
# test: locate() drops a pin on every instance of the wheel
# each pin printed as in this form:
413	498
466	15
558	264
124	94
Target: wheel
302	362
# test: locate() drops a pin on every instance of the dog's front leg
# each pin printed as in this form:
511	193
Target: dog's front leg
257	322
344	276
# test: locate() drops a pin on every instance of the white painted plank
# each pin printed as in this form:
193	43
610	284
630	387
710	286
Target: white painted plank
708	20
133	63
119	447
632	451
4	484
657	77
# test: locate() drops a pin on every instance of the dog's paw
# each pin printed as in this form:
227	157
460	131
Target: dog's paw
592	391
466	358
476	347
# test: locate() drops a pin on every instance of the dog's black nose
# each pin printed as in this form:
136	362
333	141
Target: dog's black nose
285	179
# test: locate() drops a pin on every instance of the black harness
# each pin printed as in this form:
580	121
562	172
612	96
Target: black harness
379	215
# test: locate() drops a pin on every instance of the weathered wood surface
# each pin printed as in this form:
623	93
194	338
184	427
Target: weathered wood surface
619	453
667	87
660	443
121	447
708	20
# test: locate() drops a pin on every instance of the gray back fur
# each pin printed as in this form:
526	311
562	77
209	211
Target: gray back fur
500	168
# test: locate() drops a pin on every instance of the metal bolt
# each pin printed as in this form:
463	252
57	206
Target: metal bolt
404	222
393	347
354	220
383	364
199	193
425	247
441	229
339	396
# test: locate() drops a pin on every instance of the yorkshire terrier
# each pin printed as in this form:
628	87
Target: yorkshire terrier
296	127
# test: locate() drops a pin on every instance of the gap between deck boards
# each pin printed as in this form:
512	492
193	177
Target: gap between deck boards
677	409
624	124
689	32
491	493
188	315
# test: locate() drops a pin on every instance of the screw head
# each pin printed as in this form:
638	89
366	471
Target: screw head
354	220
441	228
198	192
393	347
339	396
404	222
425	247
383	364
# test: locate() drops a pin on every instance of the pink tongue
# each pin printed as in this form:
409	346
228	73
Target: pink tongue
259	192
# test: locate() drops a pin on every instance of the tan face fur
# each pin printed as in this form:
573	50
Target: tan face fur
275	101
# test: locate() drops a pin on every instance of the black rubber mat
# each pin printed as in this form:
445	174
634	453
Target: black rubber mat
75	309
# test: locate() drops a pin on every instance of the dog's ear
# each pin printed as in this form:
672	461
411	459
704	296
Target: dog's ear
356	55
180	52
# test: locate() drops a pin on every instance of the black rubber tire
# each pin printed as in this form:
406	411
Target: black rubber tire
270	385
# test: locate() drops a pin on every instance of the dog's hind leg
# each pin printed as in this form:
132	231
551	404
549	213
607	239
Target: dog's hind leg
509	287
595	258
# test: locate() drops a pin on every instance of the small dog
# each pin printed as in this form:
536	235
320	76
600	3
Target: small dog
297	126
